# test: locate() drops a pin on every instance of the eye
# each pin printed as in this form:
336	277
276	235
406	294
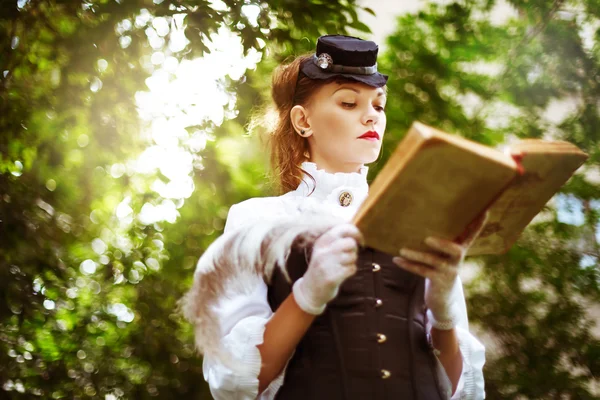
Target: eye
348	105
379	108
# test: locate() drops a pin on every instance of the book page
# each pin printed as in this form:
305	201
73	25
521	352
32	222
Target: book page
547	167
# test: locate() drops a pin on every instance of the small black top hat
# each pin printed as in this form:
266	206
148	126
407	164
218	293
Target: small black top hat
345	56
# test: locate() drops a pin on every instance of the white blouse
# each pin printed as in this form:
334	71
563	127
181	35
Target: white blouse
243	317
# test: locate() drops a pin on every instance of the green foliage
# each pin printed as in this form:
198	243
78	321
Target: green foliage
89	288
451	68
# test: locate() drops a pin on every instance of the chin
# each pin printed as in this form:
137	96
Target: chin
371	158
360	156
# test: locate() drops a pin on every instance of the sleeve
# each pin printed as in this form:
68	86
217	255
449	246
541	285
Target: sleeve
471	383
242	319
251	211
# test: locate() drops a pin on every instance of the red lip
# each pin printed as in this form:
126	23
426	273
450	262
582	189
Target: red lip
370	134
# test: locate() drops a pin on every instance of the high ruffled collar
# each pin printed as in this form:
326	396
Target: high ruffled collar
326	183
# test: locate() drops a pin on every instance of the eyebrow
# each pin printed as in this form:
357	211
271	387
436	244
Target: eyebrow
381	93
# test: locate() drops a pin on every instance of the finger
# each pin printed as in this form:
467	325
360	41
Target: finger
347	258
349	270
333	234
345	244
342	230
430	259
475	229
447	247
415	268
347	230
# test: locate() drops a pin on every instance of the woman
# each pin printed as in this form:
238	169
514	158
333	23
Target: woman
288	305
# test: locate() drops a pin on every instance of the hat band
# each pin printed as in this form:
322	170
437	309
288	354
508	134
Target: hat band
345	69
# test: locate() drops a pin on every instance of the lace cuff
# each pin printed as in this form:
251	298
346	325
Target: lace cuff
473	355
242	383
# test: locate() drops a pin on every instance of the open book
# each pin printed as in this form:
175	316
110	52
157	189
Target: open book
436	184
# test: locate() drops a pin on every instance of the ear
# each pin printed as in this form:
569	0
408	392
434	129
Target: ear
299	118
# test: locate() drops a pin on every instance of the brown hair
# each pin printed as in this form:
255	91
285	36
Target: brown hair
288	149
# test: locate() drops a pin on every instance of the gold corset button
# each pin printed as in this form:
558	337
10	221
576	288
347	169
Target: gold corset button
381	338
378	302
376	267
385	374
345	199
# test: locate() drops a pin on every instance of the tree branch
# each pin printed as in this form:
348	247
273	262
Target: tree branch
512	52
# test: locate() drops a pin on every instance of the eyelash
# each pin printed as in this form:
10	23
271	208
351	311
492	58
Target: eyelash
352	105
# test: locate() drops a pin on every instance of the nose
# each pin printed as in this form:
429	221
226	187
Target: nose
370	116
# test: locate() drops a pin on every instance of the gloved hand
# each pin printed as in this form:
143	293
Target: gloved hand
440	268
333	260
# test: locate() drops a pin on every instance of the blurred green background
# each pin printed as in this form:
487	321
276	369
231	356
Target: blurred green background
124	140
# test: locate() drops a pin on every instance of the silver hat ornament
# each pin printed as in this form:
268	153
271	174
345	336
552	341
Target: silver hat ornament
324	61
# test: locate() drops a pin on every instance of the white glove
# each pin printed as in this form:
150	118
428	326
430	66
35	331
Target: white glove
333	260
440	267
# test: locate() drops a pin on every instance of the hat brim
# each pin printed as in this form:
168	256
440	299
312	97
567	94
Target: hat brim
310	69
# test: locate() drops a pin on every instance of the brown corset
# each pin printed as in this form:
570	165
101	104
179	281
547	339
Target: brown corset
371	341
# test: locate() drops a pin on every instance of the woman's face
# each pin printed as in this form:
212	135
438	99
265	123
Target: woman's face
346	125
